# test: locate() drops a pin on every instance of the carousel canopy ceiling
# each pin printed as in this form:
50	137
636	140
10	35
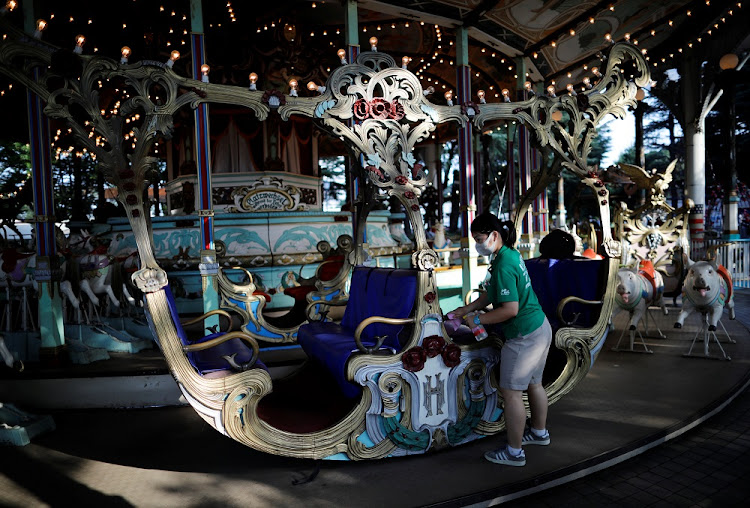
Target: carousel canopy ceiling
546	42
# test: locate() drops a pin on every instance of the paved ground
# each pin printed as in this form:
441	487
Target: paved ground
707	466
627	404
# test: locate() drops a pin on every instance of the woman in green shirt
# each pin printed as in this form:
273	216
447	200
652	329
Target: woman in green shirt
528	336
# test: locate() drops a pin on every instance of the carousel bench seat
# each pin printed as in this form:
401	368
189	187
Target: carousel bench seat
382	292
213	360
555	279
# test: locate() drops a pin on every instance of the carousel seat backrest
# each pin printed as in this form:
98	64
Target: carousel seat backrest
385	292
213	360
555	279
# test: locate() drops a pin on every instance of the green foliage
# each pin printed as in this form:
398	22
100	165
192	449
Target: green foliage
16	191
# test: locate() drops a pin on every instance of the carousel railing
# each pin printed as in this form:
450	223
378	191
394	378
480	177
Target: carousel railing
735	257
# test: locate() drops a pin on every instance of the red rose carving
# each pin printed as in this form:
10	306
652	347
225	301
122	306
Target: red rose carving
136	213
415	207
603	192
409	195
380	108
361	109
401	180
413	360
429	297
131	199
397	111
128	186
125	174
433	345
451	355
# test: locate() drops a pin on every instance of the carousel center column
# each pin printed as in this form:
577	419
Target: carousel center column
359	231
466	161
209	266
47	273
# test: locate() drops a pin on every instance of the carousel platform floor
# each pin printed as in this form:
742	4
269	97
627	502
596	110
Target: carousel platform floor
655	429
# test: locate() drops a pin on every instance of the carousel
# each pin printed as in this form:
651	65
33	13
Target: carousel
380	376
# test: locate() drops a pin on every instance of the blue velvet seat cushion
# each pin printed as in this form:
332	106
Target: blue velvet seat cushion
331	345
555	279
211	359
380	292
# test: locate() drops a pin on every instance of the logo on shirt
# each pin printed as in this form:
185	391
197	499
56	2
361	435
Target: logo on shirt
504	292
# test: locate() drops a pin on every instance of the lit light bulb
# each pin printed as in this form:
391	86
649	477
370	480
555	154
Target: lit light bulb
315	88
173	57
293	87
587	82
608	37
449	97
570	89
595	72
427	91
125	52
551	91
9	6
342	56
205	69
80	41
481	94
253	80
373	43
405	62
528	87
40	26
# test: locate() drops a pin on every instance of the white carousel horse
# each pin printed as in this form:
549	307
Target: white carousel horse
17	272
96	268
440	241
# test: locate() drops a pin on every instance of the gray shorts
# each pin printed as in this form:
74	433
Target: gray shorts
522	358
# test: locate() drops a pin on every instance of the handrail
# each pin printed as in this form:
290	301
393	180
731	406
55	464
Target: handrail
331	303
201	346
576	299
208	314
379	339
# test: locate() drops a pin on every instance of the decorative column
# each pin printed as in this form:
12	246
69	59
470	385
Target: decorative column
695	151
47	272
466	162
209	266
526	161
351	37
730	232
561	212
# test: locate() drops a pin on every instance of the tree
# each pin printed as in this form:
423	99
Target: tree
16	190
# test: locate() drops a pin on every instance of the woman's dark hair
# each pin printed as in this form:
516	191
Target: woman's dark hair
487	222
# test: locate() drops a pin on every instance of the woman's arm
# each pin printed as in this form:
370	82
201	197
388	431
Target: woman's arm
500	313
480	303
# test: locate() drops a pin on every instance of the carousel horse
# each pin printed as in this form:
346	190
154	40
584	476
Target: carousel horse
97	268
17	269
440	241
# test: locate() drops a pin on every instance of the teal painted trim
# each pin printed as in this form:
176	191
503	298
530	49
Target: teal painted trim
337	456
210	302
196	16
405	438
459	431
280	348
351	24
51	328
732	237
462	46
364	438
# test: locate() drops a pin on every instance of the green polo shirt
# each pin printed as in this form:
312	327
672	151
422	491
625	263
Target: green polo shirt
510	282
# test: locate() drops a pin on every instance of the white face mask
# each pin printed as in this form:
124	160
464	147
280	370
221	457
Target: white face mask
486	248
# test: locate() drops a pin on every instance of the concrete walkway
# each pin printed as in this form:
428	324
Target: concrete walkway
639	430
